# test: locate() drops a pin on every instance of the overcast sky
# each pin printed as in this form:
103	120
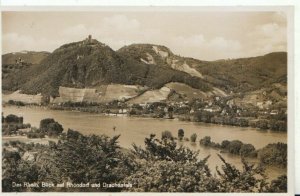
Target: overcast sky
203	35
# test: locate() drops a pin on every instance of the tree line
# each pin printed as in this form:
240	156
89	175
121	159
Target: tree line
160	166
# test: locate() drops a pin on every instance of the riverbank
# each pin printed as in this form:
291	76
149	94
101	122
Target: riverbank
134	129
25	139
266	122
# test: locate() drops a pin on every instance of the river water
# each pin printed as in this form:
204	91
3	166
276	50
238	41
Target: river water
134	130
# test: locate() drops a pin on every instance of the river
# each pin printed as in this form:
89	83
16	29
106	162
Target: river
134	130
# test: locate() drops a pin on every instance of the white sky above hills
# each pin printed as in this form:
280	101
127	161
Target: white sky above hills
205	35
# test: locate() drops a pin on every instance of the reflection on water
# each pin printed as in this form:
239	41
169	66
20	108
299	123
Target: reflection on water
134	130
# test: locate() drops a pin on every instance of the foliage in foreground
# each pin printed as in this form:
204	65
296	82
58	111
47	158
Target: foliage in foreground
161	166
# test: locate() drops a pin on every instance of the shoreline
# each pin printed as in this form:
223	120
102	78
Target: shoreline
143	116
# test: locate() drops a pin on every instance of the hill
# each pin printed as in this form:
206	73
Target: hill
90	63
237	75
247	74
162	56
14	62
30	57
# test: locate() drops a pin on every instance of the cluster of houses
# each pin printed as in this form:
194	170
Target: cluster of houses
213	105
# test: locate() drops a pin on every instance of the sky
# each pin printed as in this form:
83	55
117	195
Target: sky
205	35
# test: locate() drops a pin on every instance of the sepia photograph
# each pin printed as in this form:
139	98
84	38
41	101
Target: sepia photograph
152	99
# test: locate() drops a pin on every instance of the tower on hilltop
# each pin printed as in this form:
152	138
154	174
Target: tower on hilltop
88	40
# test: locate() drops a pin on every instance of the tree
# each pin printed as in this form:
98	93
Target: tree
166	135
170	112
246	180
278	185
51	127
180	134
165	149
274	154
193	137
163	167
206	141
13	119
234	146
85	159
10	161
262	124
247	149
225	144
168	176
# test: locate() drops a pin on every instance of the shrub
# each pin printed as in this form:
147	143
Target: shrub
18	103
36	135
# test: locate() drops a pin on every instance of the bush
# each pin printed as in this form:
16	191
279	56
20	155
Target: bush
17	103
193	137
36	135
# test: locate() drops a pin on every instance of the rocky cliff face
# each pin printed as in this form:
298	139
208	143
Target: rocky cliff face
161	55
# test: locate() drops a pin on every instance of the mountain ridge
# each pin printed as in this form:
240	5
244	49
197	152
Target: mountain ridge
90	63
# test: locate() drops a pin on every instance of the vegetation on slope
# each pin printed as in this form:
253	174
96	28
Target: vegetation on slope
87	65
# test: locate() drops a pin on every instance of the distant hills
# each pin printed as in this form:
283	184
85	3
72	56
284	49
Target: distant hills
90	63
13	62
247	74
30	57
